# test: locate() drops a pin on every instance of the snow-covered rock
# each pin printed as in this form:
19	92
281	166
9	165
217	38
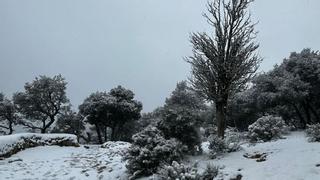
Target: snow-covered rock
11	144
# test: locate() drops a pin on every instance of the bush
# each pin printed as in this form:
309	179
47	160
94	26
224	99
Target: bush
181	124
179	171
210	172
313	132
150	150
218	146
267	128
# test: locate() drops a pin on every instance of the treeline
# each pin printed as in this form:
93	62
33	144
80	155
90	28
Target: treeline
290	90
44	107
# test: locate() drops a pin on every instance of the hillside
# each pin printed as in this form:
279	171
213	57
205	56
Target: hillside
291	158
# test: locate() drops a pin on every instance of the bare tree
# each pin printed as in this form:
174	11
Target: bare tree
223	63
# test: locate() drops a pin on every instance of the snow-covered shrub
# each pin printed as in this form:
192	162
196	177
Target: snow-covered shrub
12	144
178	171
210	172
181	123
218	146
181	117
116	147
267	128
313	132
150	150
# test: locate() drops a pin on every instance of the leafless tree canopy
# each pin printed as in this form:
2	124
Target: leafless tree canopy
224	62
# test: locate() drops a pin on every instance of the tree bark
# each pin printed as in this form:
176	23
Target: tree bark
302	120
99	134
10	127
221	117
43	129
105	133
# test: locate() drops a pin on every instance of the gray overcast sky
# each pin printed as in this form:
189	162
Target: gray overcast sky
97	45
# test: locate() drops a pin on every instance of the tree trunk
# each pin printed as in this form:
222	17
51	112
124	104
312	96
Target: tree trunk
302	120
114	133
105	133
221	117
43	129
10	127
306	110
99	134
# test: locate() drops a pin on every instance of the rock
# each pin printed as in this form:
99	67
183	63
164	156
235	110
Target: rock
238	177
260	157
14	160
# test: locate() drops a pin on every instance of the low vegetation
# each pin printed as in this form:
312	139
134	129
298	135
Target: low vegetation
267	128
12	144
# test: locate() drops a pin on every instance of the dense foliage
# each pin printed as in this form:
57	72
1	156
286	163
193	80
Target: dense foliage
289	90
219	146
150	150
8	115
69	122
179	171
181	116
267	128
313	132
114	110
41	102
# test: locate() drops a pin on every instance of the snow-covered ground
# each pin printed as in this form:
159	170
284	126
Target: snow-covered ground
292	158
10	144
66	163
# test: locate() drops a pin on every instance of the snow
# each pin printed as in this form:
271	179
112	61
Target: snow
10	142
292	158
55	162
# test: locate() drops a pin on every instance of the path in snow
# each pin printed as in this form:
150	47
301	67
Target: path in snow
67	163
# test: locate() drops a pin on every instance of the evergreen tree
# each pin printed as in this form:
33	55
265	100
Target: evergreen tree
181	116
114	110
41	102
8	114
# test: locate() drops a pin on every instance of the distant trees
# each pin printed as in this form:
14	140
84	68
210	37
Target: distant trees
112	110
41	102
69	122
224	63
95	110
8	114
291	89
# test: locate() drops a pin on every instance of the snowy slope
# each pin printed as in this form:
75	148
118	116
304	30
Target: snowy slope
74	163
292	158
